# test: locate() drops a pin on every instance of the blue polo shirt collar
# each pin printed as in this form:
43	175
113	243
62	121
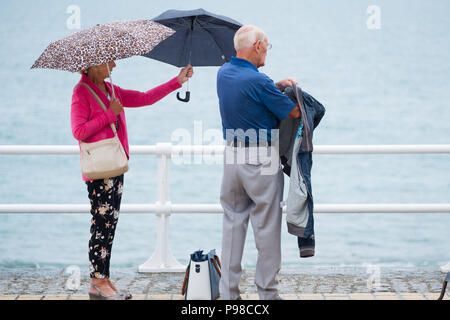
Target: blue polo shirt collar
243	63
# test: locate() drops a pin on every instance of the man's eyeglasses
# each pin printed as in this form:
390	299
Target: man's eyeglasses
269	45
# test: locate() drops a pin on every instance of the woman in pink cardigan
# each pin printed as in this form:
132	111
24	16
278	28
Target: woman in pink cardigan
91	123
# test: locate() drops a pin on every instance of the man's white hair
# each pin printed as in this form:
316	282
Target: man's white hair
246	36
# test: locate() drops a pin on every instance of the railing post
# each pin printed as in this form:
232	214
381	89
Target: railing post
162	259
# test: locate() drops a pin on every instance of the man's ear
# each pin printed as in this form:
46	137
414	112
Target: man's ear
258	45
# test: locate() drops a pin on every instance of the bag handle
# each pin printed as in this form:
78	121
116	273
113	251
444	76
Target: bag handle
213	261
444	287
186	275
218	261
99	101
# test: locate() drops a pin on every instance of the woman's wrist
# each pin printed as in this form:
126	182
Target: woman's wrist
176	83
180	81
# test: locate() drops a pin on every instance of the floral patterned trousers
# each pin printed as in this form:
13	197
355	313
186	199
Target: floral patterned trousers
105	196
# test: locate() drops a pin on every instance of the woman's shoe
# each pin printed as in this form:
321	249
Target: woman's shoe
126	294
100	295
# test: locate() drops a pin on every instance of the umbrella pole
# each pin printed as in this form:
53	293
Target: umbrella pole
110	79
188	93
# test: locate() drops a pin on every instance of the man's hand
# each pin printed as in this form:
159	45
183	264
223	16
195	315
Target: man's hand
185	74
295	113
285	83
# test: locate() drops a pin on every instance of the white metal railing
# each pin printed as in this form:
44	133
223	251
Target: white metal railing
168	148
162	259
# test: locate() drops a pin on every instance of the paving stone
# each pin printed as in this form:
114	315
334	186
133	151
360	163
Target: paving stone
56	297
411	296
79	297
306	288
399	285
314	296
8	297
418	286
431	295
386	296
336	296
123	282
158	297
29	297
361	296
289	296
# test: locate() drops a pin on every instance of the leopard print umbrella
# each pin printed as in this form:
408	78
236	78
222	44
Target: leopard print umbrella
103	43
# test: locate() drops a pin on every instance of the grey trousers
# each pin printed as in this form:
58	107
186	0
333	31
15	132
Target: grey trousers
250	191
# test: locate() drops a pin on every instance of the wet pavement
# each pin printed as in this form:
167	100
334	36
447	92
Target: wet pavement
316	283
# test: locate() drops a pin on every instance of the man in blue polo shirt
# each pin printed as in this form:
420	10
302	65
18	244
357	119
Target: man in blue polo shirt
251	107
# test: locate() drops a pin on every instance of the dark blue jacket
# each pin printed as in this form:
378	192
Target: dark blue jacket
292	138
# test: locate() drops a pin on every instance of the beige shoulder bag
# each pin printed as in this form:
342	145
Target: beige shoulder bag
105	158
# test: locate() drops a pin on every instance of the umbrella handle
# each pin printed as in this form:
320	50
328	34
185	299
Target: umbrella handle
110	79
188	93
185	99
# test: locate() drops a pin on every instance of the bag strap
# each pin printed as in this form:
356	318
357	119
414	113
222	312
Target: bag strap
186	275
218	261
99	101
444	287
213	261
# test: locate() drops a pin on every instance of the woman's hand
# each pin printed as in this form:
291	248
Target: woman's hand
116	106
185	74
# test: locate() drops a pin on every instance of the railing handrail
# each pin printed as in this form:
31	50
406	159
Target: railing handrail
167	148
188	208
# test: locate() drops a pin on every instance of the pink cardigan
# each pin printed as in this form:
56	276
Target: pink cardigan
90	123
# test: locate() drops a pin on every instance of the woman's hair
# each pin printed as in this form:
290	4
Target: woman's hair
83	71
246	36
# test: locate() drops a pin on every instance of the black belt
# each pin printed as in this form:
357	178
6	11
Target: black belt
246	144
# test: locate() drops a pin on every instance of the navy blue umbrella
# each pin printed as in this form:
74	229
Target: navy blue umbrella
201	39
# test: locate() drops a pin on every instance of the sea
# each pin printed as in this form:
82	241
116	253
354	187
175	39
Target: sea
381	69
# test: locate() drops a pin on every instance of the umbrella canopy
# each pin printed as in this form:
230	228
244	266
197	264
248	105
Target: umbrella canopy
201	39
103	43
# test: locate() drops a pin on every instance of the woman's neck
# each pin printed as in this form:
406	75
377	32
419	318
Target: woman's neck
97	81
